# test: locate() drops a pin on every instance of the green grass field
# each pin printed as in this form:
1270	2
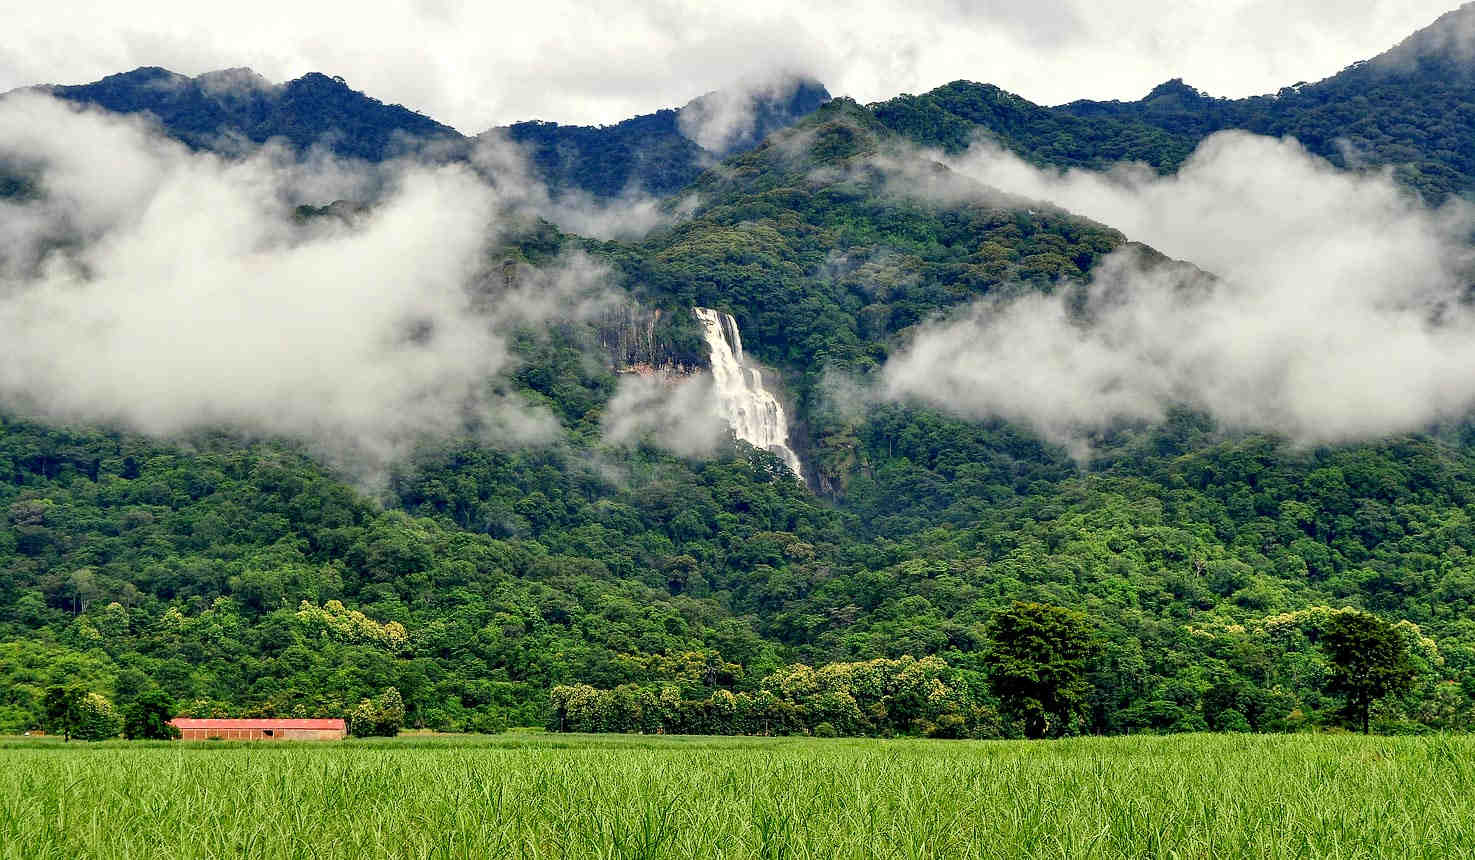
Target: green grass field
621	796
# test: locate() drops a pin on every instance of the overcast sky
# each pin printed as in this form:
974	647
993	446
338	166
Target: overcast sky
476	64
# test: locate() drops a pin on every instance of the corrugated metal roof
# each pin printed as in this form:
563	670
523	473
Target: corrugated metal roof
193	723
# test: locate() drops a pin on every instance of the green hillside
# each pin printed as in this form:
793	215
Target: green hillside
1204	561
244	577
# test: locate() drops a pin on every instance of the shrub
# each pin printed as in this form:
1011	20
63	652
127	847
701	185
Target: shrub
825	730
381	717
950	726
487	722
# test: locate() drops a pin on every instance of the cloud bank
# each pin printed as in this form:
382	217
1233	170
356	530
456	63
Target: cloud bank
169	291
1341	311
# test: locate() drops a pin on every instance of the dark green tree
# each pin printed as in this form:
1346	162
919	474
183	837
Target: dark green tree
1037	665
63	707
148	716
1369	660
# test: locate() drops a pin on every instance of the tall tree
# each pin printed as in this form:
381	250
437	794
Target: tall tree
63	705
1369	660
77	713
148	716
1037	665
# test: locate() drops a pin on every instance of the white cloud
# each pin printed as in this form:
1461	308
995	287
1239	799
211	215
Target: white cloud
170	291
724	120
677	413
629	215
1342	312
477	64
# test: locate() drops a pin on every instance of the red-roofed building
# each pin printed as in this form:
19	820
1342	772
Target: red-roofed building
191	729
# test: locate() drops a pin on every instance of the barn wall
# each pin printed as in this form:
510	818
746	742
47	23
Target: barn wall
260	735
202	734
224	734
311	734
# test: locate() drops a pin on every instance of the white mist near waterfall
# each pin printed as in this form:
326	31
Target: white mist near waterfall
755	415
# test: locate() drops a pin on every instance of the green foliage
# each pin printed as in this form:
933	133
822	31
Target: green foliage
1369	660
96	720
148	716
1037	666
486	723
954	116
876	697
77	713
247	577
63	708
382	716
246	581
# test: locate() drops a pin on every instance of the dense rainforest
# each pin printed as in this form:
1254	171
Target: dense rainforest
585	585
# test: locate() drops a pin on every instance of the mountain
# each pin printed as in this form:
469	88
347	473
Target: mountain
1408	108
660	153
952	116
227	109
655	153
244	577
768	238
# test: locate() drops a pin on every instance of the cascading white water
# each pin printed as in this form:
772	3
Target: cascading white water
755	415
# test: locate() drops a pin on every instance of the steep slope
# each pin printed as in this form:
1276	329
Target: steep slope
827	244
778	228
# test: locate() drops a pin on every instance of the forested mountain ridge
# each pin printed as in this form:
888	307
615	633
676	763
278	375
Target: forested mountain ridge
234	109
1411	108
244	577
953	116
663	152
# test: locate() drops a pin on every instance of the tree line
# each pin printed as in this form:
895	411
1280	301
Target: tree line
1035	684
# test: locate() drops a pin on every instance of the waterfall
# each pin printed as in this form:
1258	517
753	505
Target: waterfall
750	409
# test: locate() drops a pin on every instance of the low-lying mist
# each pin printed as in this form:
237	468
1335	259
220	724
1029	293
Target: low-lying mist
164	290
1340	308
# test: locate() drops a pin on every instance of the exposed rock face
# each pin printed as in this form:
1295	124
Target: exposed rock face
639	341
753	412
